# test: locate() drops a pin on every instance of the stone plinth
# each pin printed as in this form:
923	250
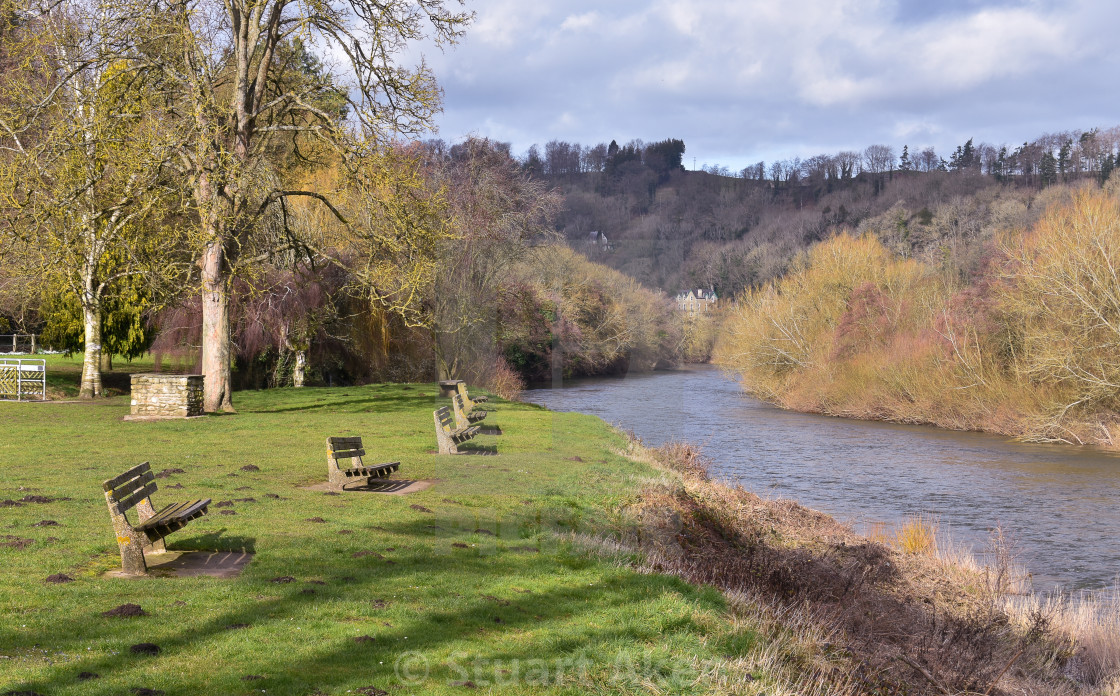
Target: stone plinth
166	396
447	387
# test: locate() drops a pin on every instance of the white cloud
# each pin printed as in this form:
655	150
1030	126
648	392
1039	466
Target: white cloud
735	77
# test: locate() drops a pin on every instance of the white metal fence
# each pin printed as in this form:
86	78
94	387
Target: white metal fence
23	379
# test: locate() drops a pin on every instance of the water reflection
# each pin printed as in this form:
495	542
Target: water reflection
1058	503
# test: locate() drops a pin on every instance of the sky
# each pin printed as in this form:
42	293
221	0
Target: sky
741	81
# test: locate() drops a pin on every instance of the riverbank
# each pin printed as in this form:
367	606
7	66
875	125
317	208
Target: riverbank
1023	344
556	567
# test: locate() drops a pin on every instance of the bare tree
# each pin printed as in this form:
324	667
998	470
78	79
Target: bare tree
83	150
879	159
237	72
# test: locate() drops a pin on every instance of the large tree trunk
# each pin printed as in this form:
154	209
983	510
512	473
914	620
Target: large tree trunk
91	366
215	331
299	369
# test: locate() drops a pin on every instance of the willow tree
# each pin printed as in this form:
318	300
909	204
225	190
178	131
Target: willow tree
499	214
244	94
82	160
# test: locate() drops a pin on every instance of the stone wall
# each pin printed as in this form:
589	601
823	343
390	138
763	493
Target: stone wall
166	396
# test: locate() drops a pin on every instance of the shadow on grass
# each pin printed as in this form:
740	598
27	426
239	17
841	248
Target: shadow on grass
215	541
575	620
393	404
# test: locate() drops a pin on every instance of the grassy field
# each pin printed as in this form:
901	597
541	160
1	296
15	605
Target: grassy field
473	583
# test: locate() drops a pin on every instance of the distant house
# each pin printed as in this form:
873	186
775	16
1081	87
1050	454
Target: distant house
599	240
697	301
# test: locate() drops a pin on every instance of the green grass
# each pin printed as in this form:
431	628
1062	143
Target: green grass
517	609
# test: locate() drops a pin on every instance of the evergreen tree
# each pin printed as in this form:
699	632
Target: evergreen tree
1048	169
1064	157
904	162
968	156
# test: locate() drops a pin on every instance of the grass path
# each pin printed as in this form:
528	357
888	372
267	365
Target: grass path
466	587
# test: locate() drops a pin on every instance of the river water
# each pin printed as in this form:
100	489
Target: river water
1059	504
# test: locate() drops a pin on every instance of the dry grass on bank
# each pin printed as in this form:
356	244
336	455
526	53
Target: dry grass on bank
857	616
1026	347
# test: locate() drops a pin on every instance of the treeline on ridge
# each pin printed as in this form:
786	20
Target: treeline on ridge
715	228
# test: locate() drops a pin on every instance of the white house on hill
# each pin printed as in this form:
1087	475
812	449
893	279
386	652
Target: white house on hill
698	301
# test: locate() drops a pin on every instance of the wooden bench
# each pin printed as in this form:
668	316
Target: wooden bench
470	403
448	436
463	417
350	448
133	489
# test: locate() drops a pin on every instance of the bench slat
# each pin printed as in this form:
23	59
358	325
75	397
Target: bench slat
380	470
445	417
128	487
176	513
347	453
132	500
163	513
345	442
131	473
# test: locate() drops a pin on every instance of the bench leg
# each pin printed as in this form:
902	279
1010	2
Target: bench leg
443	440
335	476
129	540
132	554
145	510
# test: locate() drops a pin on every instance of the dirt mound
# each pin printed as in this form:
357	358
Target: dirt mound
144	649
42	499
363	554
166	473
283	579
59	578
45	523
125	611
250	467
14	542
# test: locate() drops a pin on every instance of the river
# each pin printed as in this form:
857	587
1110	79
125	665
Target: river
1059	504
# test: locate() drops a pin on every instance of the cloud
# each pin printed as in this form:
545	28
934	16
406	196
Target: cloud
741	80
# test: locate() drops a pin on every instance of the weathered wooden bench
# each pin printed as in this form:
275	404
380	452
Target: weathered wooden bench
448	436
465	419
133	489
461	387
350	448
463	416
